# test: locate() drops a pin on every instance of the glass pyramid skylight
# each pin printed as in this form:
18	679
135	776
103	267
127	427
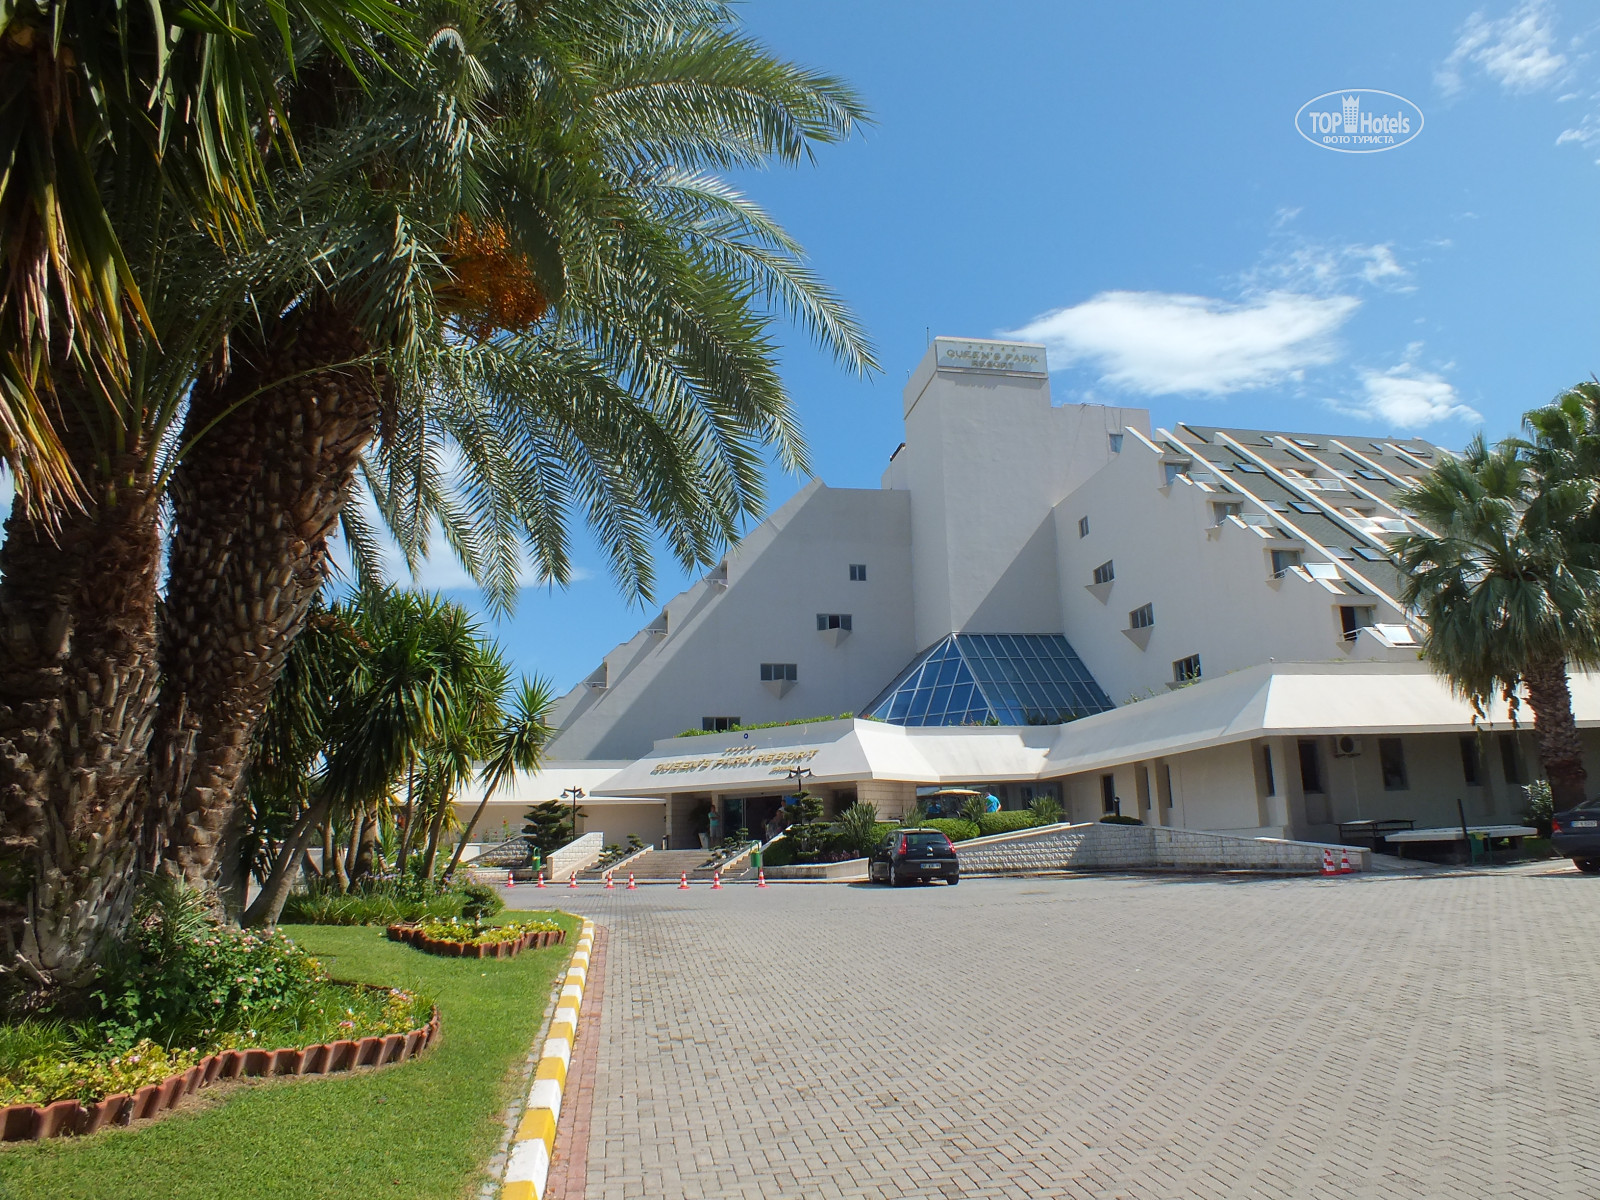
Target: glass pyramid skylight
976	678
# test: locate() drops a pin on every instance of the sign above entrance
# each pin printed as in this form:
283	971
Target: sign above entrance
735	759
1017	358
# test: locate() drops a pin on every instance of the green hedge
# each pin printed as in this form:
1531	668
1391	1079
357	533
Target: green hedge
953	828
1005	822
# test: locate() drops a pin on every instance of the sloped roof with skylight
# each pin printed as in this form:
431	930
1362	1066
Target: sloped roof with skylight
982	678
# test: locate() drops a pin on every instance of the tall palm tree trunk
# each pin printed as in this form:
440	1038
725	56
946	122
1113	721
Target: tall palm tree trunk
251	520
78	682
1560	749
286	867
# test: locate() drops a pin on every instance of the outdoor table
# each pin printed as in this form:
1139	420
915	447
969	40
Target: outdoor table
1454	833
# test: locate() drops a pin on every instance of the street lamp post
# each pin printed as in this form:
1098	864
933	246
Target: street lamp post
573	794
798	774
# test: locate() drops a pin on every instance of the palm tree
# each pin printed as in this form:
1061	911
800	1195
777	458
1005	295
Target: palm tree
124	128
515	744
1507	597
389	694
525	287
533	200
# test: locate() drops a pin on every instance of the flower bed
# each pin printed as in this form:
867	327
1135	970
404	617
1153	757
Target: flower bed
22	1122
459	939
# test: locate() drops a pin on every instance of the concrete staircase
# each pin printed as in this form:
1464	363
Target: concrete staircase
657	865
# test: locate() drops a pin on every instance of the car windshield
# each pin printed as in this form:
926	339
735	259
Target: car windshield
1589	806
917	842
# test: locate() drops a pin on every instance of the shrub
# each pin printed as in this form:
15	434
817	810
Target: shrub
953	828
180	975
1540	810
779	854
1005	822
479	901
856	830
483	935
1046	810
379	905
974	808
1119	819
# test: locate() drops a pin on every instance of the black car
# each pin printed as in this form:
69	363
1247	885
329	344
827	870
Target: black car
1575	834
914	856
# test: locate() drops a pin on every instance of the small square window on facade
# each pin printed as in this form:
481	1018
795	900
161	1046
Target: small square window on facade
779	672
1105	573
1186	669
1174	470
1116	443
1221	510
858	572
833	621
718	724
1283	561
1353	618
1392	761
1083	526
1142	617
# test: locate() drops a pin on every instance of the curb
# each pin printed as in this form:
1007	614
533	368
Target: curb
534	1142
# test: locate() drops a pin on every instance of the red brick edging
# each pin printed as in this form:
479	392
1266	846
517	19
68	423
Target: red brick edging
569	1169
413	936
26	1122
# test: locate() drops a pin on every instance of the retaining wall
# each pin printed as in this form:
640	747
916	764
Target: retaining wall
577	855
1098	847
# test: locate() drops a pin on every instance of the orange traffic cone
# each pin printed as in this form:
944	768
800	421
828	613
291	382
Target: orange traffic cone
761	878
541	878
683	882
572	880
631	885
610	887
1327	862
508	878
1344	862
716	881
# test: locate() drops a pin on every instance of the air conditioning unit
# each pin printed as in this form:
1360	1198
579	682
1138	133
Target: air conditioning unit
1345	746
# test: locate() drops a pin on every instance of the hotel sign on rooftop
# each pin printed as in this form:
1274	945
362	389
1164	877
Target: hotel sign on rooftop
1018	358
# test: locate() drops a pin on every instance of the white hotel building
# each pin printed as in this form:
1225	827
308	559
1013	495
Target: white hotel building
1197	626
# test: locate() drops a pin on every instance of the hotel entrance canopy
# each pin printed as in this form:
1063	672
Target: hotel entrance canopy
844	751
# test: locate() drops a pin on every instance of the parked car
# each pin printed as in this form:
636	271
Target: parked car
1575	834
914	856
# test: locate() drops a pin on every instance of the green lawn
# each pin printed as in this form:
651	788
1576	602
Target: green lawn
419	1129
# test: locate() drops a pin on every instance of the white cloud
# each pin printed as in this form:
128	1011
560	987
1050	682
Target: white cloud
1302	265
1516	51
1160	343
1405	397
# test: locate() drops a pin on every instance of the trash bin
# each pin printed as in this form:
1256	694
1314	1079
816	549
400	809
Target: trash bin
755	859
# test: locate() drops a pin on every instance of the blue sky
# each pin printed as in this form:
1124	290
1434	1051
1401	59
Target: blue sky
1125	182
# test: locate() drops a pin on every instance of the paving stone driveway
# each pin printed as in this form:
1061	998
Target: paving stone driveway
1135	1037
